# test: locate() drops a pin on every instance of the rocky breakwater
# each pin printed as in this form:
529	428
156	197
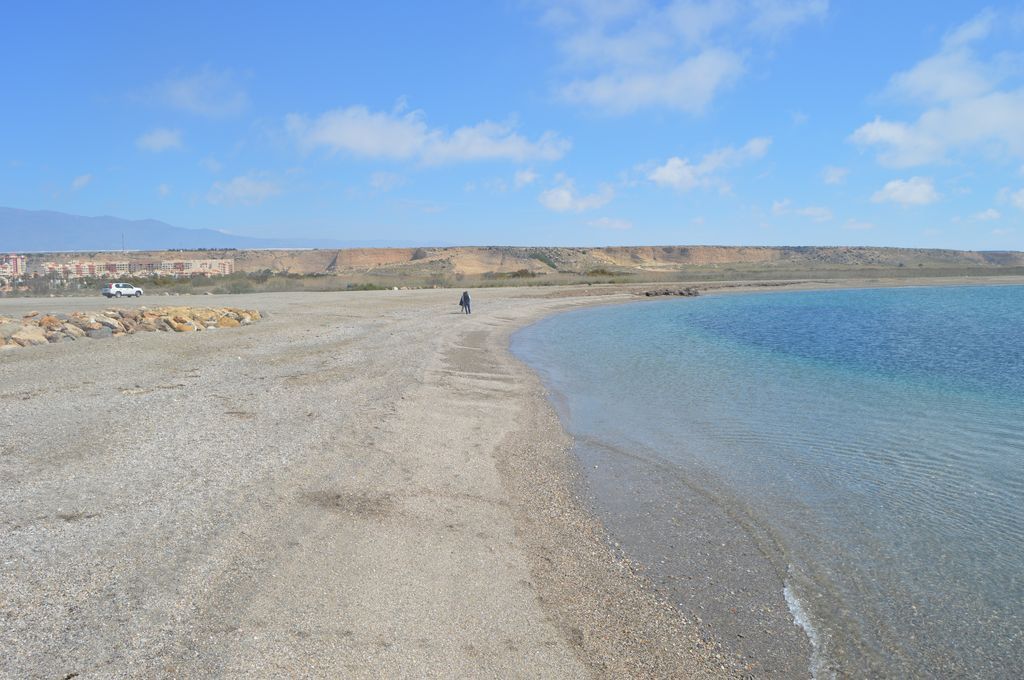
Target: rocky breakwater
679	292
41	329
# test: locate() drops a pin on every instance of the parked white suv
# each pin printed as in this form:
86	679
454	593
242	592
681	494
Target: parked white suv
120	289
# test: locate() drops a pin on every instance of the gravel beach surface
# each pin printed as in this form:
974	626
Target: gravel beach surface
361	485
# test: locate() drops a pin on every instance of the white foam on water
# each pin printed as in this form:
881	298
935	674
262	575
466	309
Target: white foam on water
819	668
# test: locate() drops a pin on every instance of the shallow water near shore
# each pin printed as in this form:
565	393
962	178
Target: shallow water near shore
844	468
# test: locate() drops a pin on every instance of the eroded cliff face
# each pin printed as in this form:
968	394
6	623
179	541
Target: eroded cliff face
655	256
477	260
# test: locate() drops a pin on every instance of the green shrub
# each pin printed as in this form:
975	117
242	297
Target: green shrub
544	257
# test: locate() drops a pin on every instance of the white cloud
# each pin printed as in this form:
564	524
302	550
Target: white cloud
947	76
987	215
525	178
362	132
206	93
1017	198
905	145
386	181
564	197
696	21
914	191
164	190
682	175
491	141
776	16
814	213
834	175
688	86
964	109
636	54
248	189
977	28
160	139
611	223
81	182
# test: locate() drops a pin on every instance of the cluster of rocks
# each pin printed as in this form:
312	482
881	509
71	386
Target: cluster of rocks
36	329
681	292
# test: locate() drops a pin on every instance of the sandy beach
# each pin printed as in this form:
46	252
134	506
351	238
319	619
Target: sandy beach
362	484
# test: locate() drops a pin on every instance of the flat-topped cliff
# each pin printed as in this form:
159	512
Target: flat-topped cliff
477	260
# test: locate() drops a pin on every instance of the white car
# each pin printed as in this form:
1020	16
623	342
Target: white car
120	290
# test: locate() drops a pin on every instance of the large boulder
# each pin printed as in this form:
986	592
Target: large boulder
73	331
205	315
109	322
30	335
50	322
9	328
34	329
86	323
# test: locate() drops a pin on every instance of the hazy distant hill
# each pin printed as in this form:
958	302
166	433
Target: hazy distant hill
33	231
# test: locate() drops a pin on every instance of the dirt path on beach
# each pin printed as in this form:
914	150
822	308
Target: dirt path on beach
362	485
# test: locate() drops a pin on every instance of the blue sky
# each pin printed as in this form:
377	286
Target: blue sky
585	122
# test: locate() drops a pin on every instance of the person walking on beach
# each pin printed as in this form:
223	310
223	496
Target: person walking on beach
465	301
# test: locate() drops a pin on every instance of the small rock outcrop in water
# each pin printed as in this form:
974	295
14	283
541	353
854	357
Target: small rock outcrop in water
679	292
33	329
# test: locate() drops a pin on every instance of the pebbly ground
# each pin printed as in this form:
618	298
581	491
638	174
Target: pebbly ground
361	485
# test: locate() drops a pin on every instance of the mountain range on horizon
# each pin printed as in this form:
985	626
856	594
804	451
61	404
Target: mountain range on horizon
47	231
36	231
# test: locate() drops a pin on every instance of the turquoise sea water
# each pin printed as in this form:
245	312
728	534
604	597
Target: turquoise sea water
876	436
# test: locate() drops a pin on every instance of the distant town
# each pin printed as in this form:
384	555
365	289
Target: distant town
17	268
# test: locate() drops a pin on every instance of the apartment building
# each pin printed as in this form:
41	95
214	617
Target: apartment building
77	270
209	267
13	265
122	269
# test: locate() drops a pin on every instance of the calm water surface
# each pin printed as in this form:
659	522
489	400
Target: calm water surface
877	436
